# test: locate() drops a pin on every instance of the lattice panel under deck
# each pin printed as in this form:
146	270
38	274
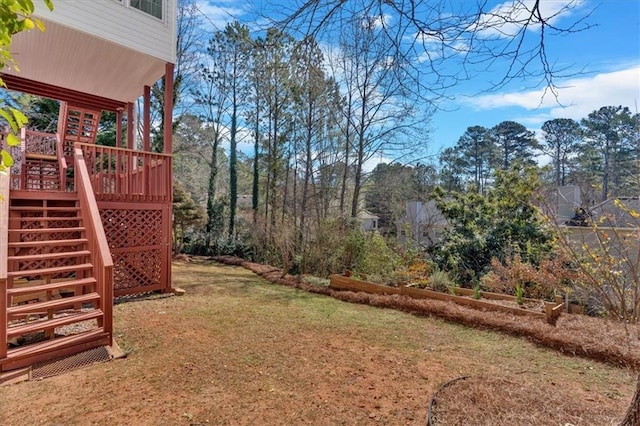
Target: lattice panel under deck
132	228
137	269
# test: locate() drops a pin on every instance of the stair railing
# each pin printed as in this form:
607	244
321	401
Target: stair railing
5	183
102	261
62	163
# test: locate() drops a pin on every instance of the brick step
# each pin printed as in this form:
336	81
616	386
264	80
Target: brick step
49	256
57	285
50	271
47	243
31	308
50	324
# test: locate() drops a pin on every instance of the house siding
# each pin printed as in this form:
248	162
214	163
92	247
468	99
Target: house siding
112	21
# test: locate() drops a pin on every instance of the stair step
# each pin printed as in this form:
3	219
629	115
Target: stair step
43	208
44	218
57	243
38	157
49	256
52	323
47	230
49	271
50	286
18	196
15	354
52	304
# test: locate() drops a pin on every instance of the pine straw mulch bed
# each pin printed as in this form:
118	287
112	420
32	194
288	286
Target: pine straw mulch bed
488	401
579	335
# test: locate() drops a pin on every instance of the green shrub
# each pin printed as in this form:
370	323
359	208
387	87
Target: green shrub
440	281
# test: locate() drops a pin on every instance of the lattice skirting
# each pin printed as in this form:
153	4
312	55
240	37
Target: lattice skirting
139	243
137	271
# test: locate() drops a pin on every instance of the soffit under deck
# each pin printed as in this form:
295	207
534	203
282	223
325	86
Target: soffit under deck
66	58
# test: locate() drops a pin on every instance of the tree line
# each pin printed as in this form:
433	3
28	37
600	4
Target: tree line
600	153
307	122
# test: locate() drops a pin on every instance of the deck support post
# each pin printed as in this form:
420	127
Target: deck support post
168	183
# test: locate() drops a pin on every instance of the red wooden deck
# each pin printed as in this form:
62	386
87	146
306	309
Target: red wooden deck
79	224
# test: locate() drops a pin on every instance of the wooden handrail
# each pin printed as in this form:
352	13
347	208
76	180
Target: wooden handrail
134	152
123	175
98	245
5	183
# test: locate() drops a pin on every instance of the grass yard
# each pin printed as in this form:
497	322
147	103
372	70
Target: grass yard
237	350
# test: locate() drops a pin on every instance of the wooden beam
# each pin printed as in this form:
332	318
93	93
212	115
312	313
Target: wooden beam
73	97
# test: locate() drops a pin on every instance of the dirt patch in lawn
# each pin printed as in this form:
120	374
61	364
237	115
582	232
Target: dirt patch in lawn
238	350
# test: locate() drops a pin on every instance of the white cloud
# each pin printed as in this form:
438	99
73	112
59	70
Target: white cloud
508	19
372	162
576	98
222	12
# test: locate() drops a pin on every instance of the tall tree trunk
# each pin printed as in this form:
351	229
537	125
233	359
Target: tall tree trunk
233	169
285	194
211	193
605	178
256	165
307	173
358	177
632	418
559	180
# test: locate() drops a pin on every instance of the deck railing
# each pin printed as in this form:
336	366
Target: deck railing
119	174
4	244
97	240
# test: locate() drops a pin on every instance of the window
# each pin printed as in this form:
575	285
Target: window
152	7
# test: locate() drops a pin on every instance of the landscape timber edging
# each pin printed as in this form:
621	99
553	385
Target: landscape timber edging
551	310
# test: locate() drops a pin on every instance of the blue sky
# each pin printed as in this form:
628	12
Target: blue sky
604	61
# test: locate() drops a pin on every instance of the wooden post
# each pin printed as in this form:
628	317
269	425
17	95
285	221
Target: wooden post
168	109
168	149
4	253
130	145
130	126
146	119
119	128
146	139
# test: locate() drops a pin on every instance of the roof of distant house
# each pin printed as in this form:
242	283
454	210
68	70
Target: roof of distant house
621	212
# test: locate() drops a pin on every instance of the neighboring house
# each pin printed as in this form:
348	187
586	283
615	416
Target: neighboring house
612	227
368	221
82	223
421	225
568	200
621	212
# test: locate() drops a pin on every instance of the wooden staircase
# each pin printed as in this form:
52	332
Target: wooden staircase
53	302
